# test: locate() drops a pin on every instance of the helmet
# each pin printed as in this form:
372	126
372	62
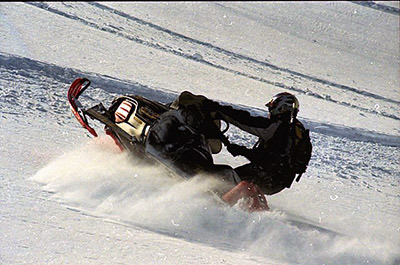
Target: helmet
283	103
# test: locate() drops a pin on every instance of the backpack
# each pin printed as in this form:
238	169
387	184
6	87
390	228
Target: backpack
301	148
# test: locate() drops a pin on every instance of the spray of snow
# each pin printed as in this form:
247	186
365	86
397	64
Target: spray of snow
98	179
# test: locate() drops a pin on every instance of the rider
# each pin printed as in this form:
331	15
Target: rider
272	165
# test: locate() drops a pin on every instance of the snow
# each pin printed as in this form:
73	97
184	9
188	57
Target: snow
70	199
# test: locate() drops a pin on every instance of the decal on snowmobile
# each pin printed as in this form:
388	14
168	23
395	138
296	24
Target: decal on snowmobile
123	111
127	119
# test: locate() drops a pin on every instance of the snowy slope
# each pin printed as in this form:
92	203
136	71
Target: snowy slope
340	58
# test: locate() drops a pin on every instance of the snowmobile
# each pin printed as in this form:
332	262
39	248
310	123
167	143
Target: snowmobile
168	135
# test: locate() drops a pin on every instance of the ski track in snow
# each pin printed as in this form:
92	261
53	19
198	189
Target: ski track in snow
139	210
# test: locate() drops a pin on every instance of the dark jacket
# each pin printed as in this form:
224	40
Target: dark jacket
269	165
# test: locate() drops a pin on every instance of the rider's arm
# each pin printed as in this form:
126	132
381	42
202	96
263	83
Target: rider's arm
258	126
243	117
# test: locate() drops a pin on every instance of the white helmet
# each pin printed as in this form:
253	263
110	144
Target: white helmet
283	103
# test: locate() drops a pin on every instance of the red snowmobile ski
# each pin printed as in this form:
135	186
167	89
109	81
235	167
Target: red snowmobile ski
166	135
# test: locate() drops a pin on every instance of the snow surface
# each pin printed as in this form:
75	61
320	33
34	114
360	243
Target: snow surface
70	199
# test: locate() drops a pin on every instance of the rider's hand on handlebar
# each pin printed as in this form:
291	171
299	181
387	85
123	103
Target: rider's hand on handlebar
236	150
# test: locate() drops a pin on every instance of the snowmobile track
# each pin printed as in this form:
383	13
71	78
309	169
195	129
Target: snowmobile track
119	32
20	67
380	7
243	57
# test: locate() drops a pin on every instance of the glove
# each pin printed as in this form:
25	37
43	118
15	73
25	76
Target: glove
236	150
210	106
